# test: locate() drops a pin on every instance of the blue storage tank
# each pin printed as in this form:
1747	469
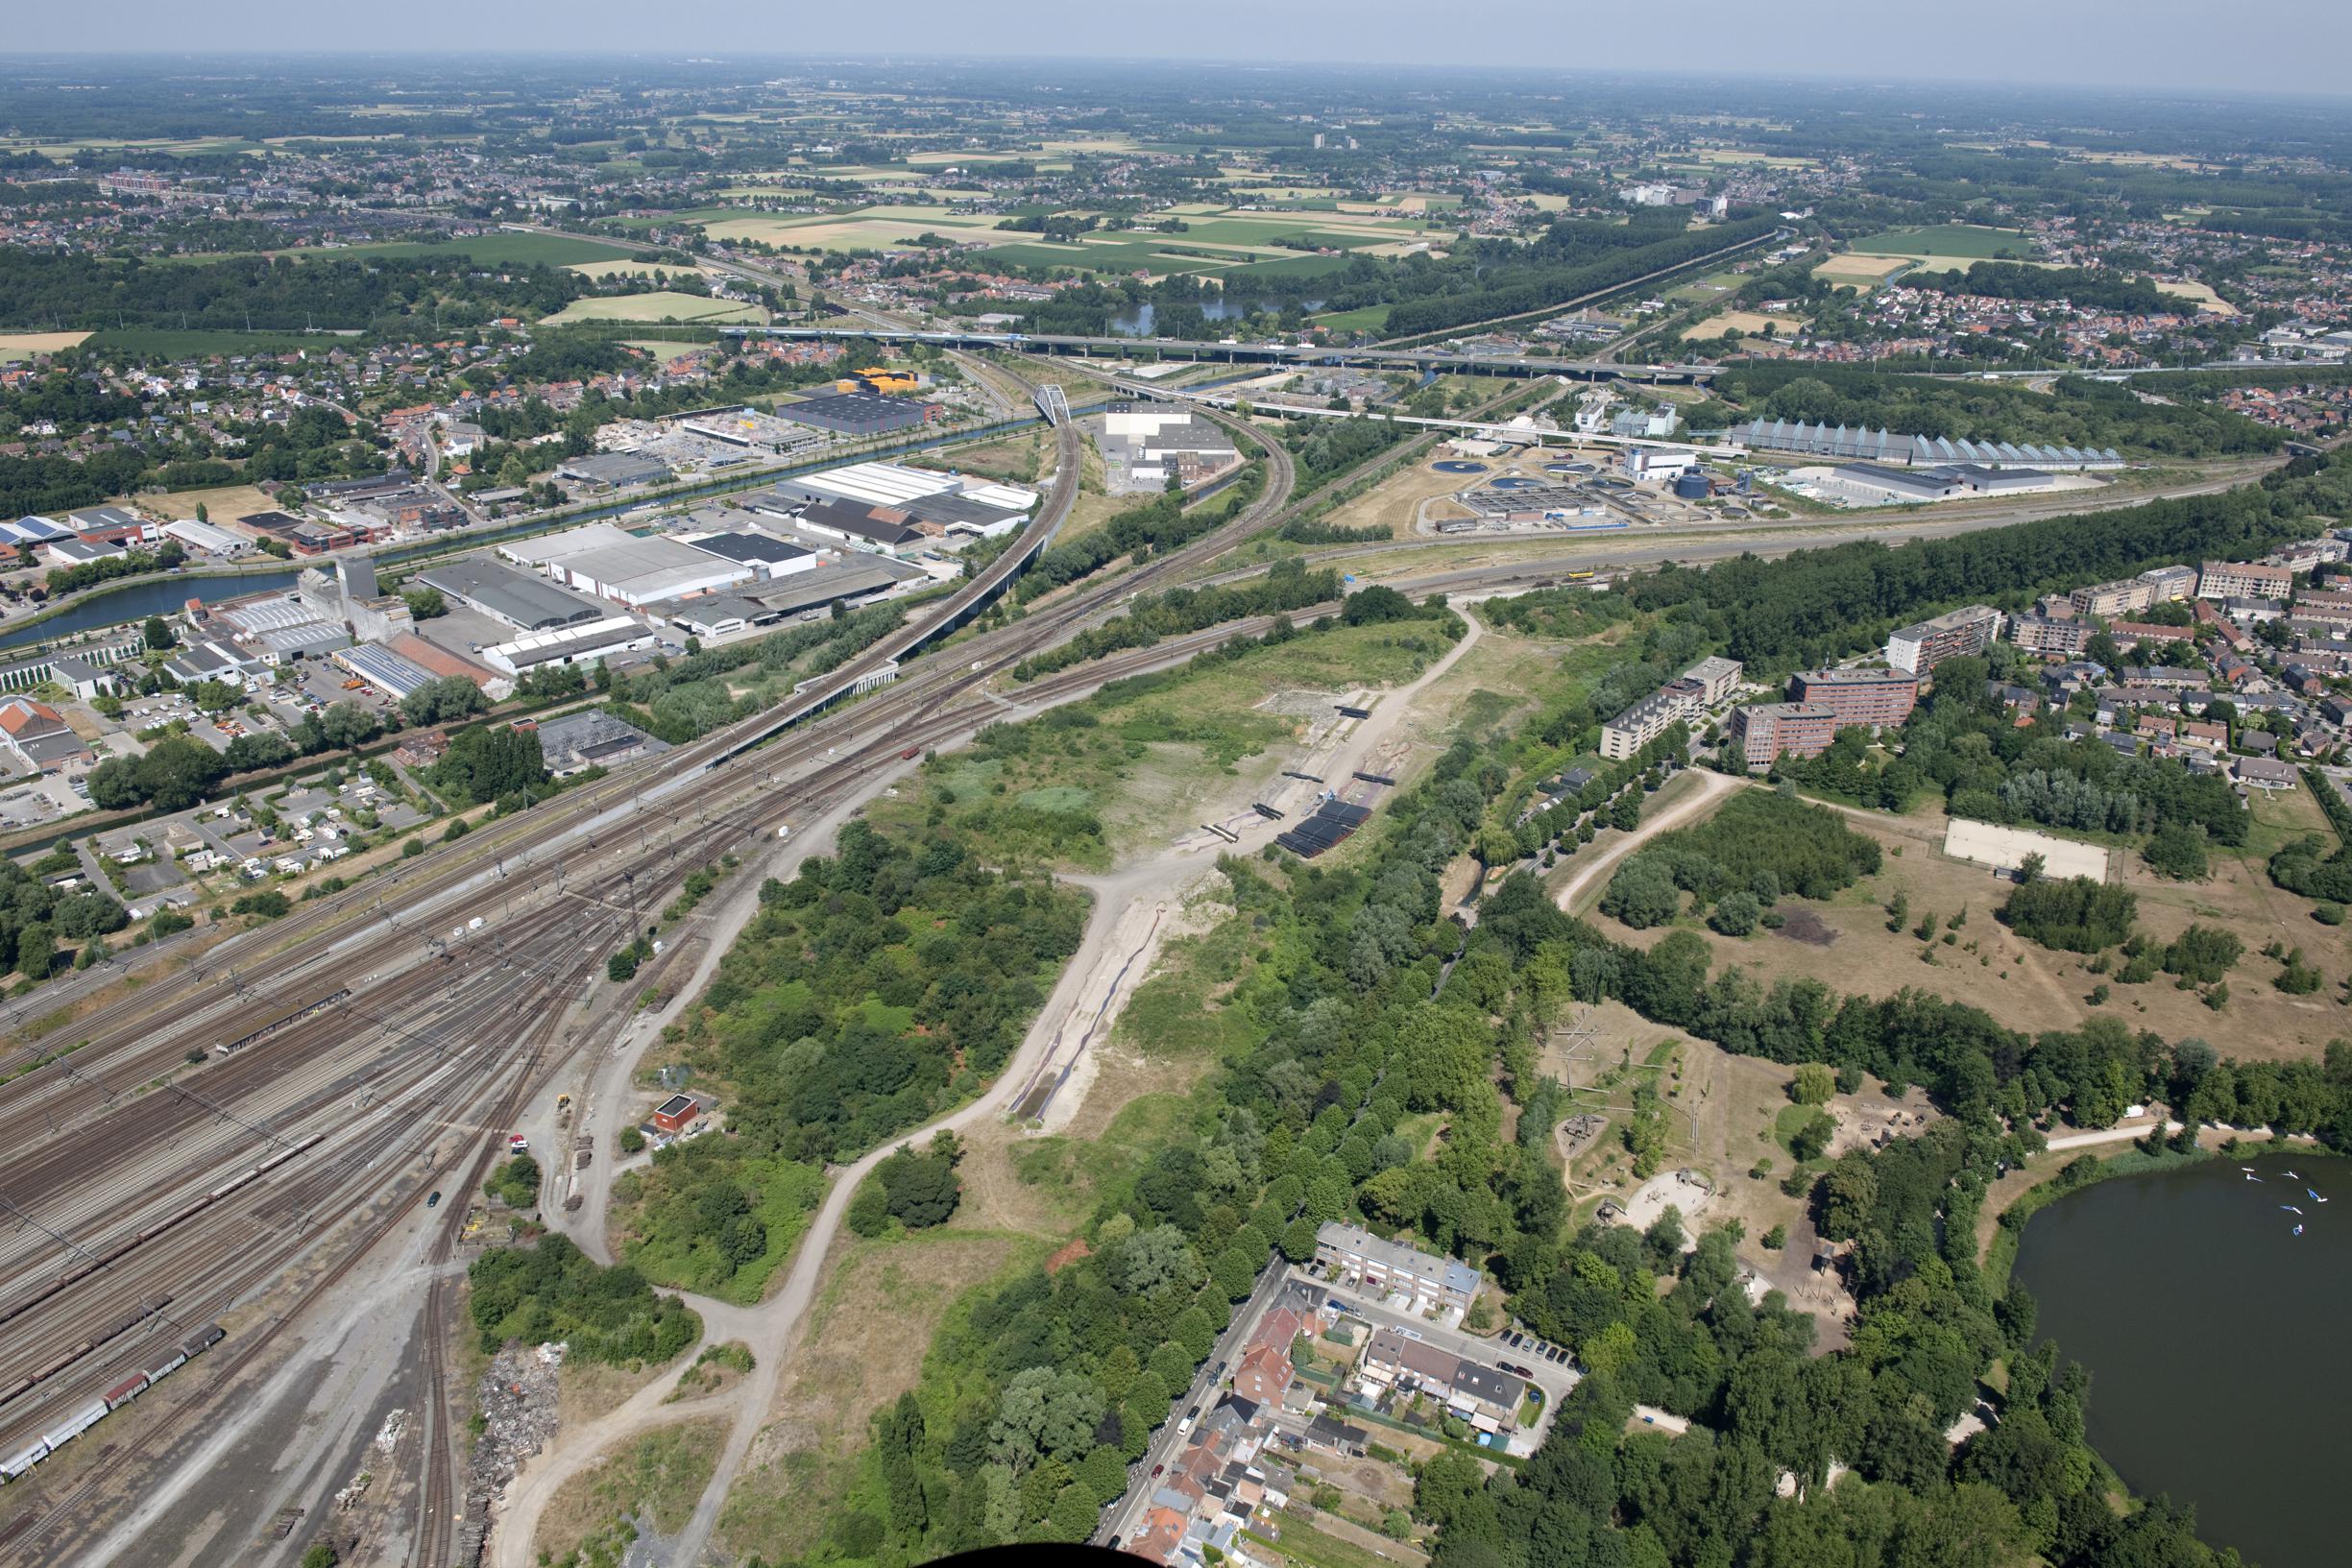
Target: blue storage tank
1692	484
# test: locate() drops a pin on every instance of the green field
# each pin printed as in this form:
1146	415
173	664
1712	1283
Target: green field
1947	239
1121	256
1364	319
1298	266
500	250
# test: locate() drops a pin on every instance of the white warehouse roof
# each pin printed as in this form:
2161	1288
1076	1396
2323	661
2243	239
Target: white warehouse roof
640	570
878	484
548	548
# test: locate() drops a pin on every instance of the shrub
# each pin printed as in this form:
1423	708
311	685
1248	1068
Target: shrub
2202	954
2074	915
1735	914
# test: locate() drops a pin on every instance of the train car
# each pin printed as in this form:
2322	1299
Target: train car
204	1340
165	1367
75	1425
18	1462
126	1391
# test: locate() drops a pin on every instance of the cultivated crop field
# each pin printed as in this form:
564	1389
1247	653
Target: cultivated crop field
499	249
1941	242
16	345
662	304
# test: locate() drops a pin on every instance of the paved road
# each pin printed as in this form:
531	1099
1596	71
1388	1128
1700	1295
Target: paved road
1126	1514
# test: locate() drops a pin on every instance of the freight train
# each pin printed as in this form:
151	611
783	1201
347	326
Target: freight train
85	1416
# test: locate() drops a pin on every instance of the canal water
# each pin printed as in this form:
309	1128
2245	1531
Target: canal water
2215	1340
144	596
139	597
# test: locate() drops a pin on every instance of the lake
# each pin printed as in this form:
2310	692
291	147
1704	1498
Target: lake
1136	320
2214	1338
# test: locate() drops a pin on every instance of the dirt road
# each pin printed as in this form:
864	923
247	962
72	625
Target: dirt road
1713	788
772	1329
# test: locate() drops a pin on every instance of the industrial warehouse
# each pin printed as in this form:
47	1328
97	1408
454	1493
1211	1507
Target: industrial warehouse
1878	446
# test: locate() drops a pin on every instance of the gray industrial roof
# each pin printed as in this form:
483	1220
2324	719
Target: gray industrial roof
532	603
807	590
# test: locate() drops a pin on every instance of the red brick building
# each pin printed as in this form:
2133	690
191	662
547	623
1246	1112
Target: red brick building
1875	697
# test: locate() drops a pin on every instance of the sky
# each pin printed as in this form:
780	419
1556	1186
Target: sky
2192	48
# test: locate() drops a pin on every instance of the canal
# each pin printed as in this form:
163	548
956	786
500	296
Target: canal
2219	1366
139	597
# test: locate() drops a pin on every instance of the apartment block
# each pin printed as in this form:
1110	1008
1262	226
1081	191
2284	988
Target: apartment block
1875	697
1682	699
1715	677
2045	633
2116	598
1769	731
1645	721
2243	580
1918	648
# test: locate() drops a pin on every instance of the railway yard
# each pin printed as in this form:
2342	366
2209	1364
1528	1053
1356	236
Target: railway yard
231	1137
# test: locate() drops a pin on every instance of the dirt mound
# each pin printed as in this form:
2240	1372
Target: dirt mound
1804	925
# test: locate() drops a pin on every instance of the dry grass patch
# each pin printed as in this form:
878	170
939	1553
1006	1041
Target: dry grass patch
655	1478
1751	321
221	505
15	345
1395	503
1844	942
863	1347
661	305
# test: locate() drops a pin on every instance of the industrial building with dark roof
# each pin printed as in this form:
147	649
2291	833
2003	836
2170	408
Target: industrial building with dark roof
858	413
520	600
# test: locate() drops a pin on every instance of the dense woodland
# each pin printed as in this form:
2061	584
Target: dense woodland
1339	1025
1813	607
878	987
250	293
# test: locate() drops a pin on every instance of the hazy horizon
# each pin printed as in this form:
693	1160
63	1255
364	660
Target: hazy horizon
2165	46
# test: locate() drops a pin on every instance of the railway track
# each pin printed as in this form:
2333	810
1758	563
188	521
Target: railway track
257	1017
426	1018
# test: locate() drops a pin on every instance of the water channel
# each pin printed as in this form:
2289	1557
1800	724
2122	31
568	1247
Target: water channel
139	597
2218	1365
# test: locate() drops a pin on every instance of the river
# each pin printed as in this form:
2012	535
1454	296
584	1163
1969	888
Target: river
2219	1366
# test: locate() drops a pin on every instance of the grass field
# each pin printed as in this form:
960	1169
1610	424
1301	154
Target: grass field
662	304
1862	271
16	345
1363	319
498	250
1951	239
1158	751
